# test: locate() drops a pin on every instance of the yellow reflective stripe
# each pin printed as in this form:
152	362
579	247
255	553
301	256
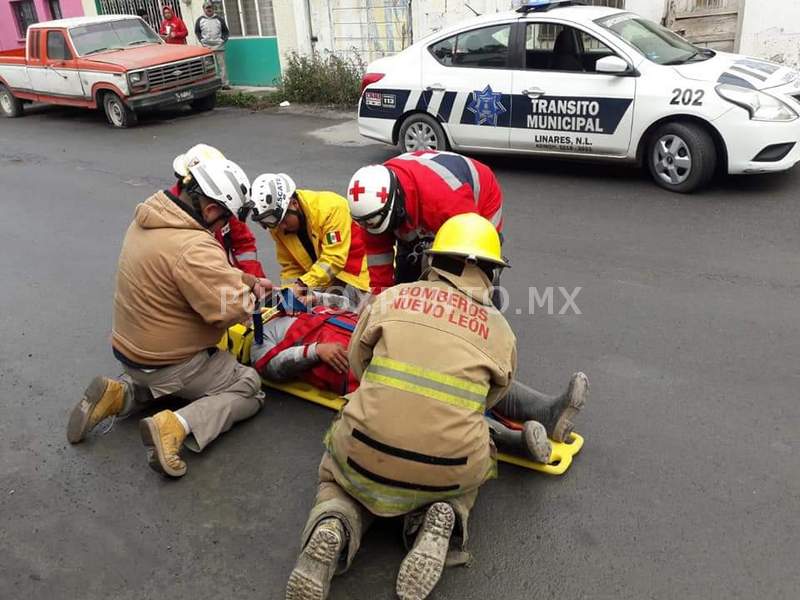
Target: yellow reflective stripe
421	390
386	498
449	380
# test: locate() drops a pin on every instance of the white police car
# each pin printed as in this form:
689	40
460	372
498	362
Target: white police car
561	79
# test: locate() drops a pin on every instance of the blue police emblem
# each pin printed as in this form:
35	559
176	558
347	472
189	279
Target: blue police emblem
486	106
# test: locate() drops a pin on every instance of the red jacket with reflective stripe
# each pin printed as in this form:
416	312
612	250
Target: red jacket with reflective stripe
321	326
239	243
437	186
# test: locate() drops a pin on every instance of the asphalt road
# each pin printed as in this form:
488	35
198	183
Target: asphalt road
689	483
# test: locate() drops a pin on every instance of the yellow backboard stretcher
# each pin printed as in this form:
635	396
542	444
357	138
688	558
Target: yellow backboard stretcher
237	341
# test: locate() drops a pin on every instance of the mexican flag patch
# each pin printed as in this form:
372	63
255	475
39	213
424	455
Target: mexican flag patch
333	237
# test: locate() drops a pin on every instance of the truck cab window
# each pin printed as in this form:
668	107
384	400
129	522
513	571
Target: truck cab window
57	48
33	45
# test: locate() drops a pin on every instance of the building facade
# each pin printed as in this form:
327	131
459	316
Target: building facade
372	28
17	15
264	31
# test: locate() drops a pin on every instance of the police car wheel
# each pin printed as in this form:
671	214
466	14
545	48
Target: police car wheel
682	157
421	132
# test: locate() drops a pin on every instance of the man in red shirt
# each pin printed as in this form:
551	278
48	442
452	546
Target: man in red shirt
173	29
403	202
236	237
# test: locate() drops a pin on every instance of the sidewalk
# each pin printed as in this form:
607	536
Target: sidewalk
249	89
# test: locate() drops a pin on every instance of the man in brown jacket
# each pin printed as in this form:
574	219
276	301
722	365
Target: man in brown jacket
175	296
432	357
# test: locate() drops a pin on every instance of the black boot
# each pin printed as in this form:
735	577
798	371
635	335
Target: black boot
523	403
530	443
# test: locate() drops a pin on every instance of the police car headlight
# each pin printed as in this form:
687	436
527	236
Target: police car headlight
761	106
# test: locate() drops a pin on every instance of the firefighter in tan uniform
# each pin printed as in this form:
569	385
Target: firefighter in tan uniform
432	356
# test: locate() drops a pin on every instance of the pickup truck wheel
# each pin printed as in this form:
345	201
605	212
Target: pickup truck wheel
205	103
10	106
117	113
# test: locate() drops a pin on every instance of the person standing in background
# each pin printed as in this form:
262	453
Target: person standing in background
173	29
212	32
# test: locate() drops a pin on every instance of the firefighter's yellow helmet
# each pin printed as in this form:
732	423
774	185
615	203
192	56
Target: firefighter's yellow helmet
471	236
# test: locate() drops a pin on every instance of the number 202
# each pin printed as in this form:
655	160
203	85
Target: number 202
688	97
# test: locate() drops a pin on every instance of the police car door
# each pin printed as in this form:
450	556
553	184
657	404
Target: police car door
466	81
561	104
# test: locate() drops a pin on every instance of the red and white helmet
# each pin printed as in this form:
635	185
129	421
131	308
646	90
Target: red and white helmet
222	181
371	194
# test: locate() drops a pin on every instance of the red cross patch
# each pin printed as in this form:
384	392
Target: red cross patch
355	191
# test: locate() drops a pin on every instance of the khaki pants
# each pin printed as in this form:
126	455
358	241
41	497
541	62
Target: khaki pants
222	392
223	68
333	501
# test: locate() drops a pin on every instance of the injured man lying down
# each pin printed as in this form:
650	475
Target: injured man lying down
302	343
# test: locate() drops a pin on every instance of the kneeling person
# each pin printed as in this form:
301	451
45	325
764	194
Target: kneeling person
175	296
412	440
319	246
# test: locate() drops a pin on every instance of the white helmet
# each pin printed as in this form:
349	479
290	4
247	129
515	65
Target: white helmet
222	181
371	195
270	197
192	156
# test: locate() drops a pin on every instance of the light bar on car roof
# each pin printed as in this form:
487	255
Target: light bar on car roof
545	5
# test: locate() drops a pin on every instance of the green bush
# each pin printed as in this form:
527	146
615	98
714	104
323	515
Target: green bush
322	79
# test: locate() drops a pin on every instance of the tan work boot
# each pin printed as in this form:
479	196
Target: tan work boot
102	399
311	577
163	435
575	399
423	565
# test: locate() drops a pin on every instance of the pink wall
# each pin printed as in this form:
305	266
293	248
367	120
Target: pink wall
10	36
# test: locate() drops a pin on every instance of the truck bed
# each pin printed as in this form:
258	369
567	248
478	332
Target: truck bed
13	57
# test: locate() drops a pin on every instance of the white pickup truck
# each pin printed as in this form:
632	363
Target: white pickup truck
115	62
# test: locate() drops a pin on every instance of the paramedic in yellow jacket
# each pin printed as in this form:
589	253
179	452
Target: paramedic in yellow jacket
432	356
319	246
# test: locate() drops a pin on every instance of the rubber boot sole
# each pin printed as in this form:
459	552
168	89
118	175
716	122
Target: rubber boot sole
79	417
311	577
536	441
422	567
577	392
156	457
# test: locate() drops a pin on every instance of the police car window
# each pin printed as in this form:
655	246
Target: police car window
593	50
443	51
482	48
57	46
487	47
554	47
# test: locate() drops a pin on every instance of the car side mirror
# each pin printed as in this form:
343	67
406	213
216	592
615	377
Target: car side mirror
614	65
